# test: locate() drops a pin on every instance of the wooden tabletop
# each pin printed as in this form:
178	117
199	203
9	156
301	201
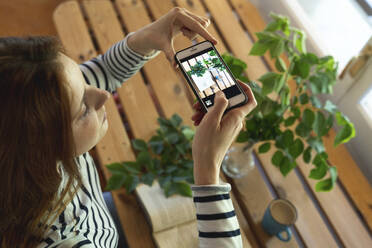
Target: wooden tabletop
342	217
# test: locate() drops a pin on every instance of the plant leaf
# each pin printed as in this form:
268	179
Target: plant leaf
264	147
280	65
307	154
115	181
296	148
286	166
304	98
139	144
259	48
277	158
148	178
175	120
320	126
289	121
189	133
268	82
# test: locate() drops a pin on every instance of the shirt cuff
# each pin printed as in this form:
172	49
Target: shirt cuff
223	187
138	55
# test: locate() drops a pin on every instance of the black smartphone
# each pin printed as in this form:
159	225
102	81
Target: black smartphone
207	73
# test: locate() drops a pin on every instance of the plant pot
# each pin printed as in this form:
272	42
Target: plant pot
238	160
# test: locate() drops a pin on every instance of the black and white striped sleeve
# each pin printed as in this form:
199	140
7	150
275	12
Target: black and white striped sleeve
215	214
118	64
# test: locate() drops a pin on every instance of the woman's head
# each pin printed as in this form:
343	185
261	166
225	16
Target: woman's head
41	123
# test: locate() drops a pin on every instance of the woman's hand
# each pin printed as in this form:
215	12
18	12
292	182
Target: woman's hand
159	35
215	134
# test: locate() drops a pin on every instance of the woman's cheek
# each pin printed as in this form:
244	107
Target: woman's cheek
86	135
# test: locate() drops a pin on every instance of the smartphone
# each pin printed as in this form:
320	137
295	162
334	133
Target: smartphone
207	73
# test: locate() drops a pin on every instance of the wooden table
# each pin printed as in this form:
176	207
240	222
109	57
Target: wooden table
342	217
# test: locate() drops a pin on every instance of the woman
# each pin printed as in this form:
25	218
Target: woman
52	114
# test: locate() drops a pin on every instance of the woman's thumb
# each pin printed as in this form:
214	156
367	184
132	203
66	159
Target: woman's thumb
220	105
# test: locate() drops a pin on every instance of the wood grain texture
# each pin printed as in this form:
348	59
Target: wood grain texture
115	146
235	36
309	224
168	87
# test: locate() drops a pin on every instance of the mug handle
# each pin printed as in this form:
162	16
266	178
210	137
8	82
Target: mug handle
289	235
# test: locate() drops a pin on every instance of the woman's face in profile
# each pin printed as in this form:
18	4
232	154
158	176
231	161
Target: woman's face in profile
89	123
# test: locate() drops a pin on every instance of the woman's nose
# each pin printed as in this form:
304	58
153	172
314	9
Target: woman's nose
102	96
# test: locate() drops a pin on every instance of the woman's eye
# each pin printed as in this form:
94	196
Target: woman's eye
86	111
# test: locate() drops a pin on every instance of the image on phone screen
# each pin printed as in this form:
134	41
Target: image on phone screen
208	75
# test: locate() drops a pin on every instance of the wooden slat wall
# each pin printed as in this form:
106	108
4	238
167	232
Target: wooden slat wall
166	85
115	146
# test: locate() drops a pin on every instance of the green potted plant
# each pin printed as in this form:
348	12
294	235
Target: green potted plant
293	123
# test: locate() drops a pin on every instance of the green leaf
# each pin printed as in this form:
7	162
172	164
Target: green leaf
327	184
172	138
277	158
132	167
280	65
286	166
242	137
148	178
320	127
307	154
299	41
279	83
324	185
183	189
139	145
304	98
346	133
308	117
288	138
144	158
289	121
330	107
131	183
315	101
115	181
296	148
296	111
116	168
156	146
268	82
264	147
259	48
277	48
316	143
165	181
319	172
175	120
301	68
189	133
303	130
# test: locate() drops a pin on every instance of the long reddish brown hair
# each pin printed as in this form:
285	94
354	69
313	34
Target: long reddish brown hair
35	135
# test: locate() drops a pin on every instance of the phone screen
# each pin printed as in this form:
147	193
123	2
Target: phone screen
208	75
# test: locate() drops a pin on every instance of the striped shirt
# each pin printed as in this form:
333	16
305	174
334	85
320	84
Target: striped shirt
86	221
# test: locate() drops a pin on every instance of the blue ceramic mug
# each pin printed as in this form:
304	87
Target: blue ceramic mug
278	217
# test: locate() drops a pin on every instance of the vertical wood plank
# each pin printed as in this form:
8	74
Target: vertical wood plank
134	95
235	36
168	87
